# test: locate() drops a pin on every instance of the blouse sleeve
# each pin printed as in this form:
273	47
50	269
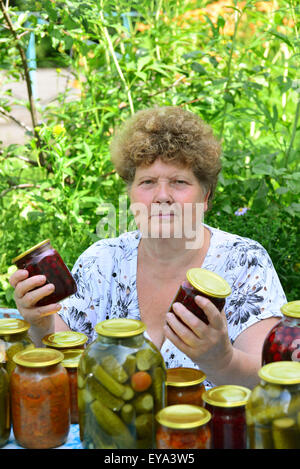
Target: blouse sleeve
257	293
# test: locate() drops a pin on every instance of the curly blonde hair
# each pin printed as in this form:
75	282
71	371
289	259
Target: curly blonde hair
171	134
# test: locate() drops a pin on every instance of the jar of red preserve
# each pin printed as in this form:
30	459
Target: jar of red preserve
226	404
40	400
71	362
283	341
65	340
42	259
185	386
183	426
204	283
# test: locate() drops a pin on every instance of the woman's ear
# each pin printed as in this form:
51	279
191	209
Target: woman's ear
205	201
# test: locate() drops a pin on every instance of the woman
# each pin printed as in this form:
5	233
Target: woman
170	161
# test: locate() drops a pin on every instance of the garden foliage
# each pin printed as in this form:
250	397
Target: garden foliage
236	64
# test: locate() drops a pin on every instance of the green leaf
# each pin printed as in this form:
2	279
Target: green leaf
198	68
281	36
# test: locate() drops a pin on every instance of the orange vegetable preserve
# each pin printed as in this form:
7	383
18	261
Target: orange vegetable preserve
204	283
40	403
70	362
183	426
185	386
4	405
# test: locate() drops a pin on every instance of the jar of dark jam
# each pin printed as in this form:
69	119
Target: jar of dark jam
185	386
70	362
40	405
204	283
183	426
273	409
283	341
65	340
42	259
13	338
226	404
4	404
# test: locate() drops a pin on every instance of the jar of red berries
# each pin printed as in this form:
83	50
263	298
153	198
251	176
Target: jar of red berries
283	341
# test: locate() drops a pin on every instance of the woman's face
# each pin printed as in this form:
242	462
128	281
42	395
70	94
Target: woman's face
167	201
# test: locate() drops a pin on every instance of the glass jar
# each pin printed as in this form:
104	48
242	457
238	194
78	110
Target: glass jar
283	341
185	386
42	259
121	386
205	283
183	426
70	362
65	340
226	404
13	338
4	406
40	402
273	409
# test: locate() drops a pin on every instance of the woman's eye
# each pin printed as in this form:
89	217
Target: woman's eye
147	181
180	181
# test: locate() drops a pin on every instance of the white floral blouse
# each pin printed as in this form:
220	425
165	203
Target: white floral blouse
106	279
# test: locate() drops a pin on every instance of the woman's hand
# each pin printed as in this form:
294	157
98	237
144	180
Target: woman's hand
26	298
207	345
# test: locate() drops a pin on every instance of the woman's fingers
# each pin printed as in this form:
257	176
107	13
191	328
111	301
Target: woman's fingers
212	313
30	299
29	284
17	277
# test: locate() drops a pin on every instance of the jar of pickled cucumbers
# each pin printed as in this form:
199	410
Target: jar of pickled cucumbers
71	362
121	387
65	340
283	341
185	386
273	409
13	338
4	405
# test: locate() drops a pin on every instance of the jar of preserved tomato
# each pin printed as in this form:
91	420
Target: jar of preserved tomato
13	338
4	406
283	341
65	340
185	386
226	404
273	409
40	400
42	259
205	283
70	362
183	426
121	386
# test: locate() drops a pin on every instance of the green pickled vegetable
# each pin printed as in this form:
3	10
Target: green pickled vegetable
158	388
113	367
285	434
100	393
128	393
143	403
117	389
130	364
145	359
127	413
260	437
95	439
144	426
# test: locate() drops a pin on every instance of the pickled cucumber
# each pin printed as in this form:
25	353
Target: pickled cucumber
127	413
144	426
113	367
157	386
130	364
117	389
143	403
285	434
260	437
145	359
128	393
97	391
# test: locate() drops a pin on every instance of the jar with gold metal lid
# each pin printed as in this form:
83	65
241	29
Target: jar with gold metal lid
226	404
13	338
121	386
283	341
183	426
71	362
65	340
40	400
185	386
43	259
204	283
273	409
5	423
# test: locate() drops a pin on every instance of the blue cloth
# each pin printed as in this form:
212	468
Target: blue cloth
73	441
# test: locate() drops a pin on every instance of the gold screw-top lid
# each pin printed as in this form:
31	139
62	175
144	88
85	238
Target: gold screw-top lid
65	339
71	358
291	309
179	377
13	326
38	357
208	282
120	327
30	250
227	395
282	372
183	416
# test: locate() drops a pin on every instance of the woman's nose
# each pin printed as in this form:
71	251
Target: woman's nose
163	194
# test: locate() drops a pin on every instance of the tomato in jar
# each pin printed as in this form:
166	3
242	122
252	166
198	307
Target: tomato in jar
204	283
40	402
282	343
70	362
226	404
185	386
183	426
42	259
